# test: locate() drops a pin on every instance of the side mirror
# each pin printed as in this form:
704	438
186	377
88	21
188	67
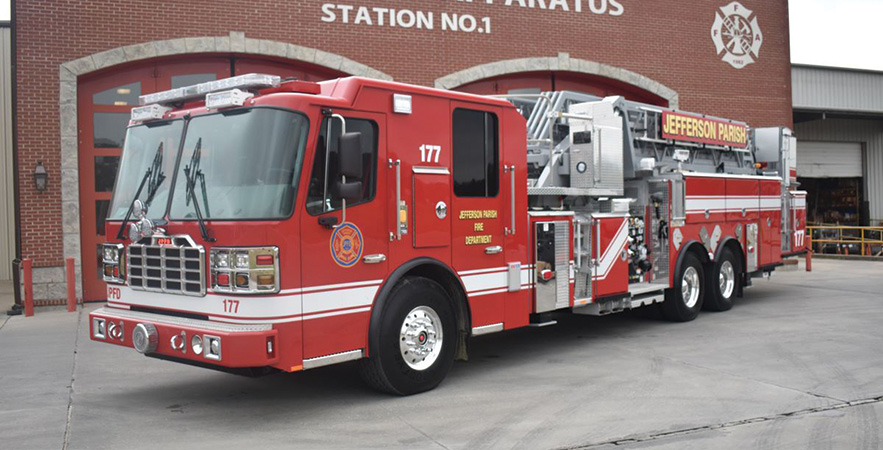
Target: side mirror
350	191
350	155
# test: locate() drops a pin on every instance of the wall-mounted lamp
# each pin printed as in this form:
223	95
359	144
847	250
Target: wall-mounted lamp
41	177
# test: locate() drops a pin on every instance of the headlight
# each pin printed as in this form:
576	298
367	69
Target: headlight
242	260
221	260
114	269
252	270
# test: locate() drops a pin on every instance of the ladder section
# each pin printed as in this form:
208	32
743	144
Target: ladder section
646	127
573	143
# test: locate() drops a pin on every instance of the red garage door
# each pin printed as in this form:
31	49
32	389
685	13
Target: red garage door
536	82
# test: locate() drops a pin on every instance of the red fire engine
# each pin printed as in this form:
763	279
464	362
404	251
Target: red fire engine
260	224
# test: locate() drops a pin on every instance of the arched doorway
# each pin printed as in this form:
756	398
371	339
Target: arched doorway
543	81
104	103
546	73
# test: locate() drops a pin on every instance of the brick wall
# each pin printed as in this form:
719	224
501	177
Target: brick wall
665	40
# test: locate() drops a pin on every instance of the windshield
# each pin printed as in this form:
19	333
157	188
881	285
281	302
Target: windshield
146	144
242	164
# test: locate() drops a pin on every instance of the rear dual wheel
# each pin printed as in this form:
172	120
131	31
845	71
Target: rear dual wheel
723	282
417	339
684	300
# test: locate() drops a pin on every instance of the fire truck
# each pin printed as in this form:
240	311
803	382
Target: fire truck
260	224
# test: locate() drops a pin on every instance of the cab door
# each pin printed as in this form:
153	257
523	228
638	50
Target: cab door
770	222
419	182
478	209
344	259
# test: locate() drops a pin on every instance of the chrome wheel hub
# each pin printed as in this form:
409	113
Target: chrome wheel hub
690	287
727	279
420	339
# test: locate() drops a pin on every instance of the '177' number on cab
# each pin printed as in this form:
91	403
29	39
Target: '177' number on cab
430	153
231	306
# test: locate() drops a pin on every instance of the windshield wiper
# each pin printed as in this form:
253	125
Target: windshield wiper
155	177
197	173
192	172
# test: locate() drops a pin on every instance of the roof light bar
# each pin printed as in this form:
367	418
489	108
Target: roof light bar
149	112
245	82
234	97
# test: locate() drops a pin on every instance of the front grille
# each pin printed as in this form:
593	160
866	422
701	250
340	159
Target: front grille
177	268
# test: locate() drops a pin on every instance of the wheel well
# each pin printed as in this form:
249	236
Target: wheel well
694	247
452	286
433	270
733	245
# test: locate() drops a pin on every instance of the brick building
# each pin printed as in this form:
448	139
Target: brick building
80	66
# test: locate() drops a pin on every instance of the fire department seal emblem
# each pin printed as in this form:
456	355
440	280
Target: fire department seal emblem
737	35
346	244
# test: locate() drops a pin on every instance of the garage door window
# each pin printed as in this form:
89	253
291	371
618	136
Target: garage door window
125	95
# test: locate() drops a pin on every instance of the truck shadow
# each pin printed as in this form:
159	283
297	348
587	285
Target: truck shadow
337	389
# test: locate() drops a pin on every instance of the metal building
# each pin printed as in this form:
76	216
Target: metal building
7	182
838	119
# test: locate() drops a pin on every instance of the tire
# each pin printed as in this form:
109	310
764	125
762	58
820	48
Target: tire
689	282
416	342
723	282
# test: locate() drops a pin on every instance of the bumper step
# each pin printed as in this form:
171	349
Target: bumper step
182	321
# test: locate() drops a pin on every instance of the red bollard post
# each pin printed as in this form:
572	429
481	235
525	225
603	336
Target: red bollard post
26	267
71	285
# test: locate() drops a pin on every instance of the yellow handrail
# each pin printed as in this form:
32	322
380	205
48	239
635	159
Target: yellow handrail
865	237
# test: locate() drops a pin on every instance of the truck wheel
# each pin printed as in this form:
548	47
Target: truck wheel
416	345
684	300
723	282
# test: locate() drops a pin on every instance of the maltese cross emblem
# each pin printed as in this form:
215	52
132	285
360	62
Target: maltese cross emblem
737	35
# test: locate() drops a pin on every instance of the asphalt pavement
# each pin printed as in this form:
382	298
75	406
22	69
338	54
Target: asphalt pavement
797	364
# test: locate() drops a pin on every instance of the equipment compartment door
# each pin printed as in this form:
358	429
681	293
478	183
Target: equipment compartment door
431	197
552	258
611	269
770	222
742	201
706	199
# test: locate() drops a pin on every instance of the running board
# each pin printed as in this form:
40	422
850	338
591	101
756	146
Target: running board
620	305
487	329
327	360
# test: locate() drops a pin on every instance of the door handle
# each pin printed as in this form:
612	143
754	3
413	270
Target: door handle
511	169
401	226
374	259
493	250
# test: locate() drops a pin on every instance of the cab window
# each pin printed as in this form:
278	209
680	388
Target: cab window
321	197
476	153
